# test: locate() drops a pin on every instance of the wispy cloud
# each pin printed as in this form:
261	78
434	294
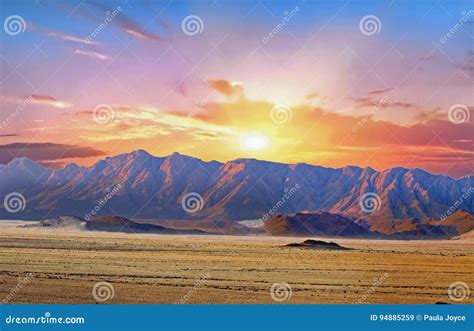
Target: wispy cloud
49	101
128	26
381	103
146	122
95	55
378	92
61	35
397	104
312	95
38	99
432	57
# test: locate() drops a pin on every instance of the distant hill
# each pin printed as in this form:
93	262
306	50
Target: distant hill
65	223
462	221
331	225
458	223
111	224
315	224
468	236
121	224
304	224
317	244
140	185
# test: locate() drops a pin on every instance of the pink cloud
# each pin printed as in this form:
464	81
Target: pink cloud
95	55
61	35
38	99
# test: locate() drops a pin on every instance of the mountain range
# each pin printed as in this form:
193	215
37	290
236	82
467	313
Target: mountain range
140	185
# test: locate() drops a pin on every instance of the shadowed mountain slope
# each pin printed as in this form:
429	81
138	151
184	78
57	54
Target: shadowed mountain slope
139	185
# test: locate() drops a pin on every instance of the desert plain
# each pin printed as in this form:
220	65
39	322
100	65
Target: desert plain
62	266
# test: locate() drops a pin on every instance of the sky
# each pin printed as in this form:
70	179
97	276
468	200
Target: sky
378	84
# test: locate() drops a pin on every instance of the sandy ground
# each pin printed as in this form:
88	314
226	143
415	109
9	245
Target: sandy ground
62	266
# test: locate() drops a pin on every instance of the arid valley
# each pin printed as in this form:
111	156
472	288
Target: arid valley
62	266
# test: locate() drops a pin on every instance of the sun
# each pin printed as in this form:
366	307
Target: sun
255	141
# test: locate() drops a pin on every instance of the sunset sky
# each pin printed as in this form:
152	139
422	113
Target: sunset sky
284	81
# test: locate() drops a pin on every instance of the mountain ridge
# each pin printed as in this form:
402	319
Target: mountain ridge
142	152
154	187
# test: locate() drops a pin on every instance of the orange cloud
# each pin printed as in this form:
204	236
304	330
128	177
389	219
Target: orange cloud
311	135
228	88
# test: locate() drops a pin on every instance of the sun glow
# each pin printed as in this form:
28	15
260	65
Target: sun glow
255	141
